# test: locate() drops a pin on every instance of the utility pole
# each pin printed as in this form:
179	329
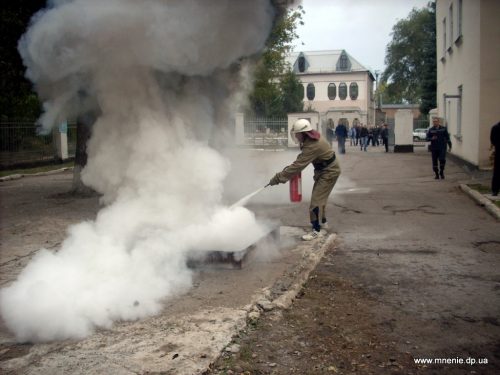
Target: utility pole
377	73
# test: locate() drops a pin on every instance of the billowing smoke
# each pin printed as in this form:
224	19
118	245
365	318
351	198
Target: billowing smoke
162	77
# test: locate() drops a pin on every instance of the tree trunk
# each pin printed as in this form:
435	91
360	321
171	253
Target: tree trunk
83	132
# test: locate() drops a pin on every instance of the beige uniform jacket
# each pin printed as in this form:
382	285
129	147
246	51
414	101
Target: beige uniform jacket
313	151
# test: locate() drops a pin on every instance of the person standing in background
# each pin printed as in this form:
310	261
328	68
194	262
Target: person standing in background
495	142
363	137
352	135
341	133
385	137
439	137
376	135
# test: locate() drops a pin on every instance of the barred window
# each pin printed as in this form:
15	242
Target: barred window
342	91
353	90
343	62
311	91
302	64
332	91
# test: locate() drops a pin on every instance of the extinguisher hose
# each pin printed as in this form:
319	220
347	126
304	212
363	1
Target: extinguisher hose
246	198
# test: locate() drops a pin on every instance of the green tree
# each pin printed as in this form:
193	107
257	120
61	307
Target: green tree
17	99
410	74
292	92
270	96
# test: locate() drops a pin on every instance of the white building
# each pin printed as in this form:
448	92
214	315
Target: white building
468	74
335	85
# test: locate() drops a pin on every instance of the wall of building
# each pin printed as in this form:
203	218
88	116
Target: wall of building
338	108
469	60
458	64
390	112
371	99
489	107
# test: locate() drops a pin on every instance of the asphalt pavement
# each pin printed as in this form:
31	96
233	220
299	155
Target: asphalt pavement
423	249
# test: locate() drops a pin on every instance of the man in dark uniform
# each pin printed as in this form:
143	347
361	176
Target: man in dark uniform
385	137
439	138
341	133
495	141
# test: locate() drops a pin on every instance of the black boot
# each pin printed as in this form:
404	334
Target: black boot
436	173
441	174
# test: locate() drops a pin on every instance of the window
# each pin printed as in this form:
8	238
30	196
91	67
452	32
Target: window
459	22
353	90
343	63
311	91
342	91
332	91
302	64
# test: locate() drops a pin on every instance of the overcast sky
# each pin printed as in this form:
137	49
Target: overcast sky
361	27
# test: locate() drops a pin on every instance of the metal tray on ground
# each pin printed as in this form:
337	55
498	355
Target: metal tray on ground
232	259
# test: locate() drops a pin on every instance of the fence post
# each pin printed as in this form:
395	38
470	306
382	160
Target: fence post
239	131
432	113
61	141
403	131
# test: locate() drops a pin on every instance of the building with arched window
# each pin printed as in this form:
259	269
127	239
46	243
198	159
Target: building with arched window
336	85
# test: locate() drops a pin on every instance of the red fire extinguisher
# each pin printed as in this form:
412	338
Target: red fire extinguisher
296	188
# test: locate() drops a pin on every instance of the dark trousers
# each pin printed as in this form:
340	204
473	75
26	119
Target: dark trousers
495	181
438	156
386	143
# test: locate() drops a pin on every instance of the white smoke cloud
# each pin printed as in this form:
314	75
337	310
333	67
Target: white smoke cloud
162	75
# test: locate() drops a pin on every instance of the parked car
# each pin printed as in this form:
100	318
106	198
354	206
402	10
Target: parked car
419	134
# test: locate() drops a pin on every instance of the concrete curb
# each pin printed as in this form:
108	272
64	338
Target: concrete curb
18	176
286	299
482	201
262	301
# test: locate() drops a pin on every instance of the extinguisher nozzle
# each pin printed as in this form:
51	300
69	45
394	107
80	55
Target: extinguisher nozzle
267	185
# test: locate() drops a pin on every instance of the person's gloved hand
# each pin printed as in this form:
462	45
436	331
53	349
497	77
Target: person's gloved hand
449	146
274	180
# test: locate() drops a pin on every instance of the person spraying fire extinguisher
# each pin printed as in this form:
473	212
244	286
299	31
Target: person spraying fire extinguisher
315	150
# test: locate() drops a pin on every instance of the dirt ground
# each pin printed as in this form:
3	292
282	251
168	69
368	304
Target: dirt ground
330	329
412	274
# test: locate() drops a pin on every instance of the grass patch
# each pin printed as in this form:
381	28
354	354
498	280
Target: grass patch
483	189
44	168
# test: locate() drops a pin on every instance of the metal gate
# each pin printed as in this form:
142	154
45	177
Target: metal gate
266	132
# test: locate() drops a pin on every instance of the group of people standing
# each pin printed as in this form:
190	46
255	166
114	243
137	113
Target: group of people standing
359	134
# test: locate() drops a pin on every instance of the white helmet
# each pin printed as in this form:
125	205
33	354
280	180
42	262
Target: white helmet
301	125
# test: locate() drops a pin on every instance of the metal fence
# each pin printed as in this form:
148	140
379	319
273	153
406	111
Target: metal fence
266	132
22	144
420	124
419	137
